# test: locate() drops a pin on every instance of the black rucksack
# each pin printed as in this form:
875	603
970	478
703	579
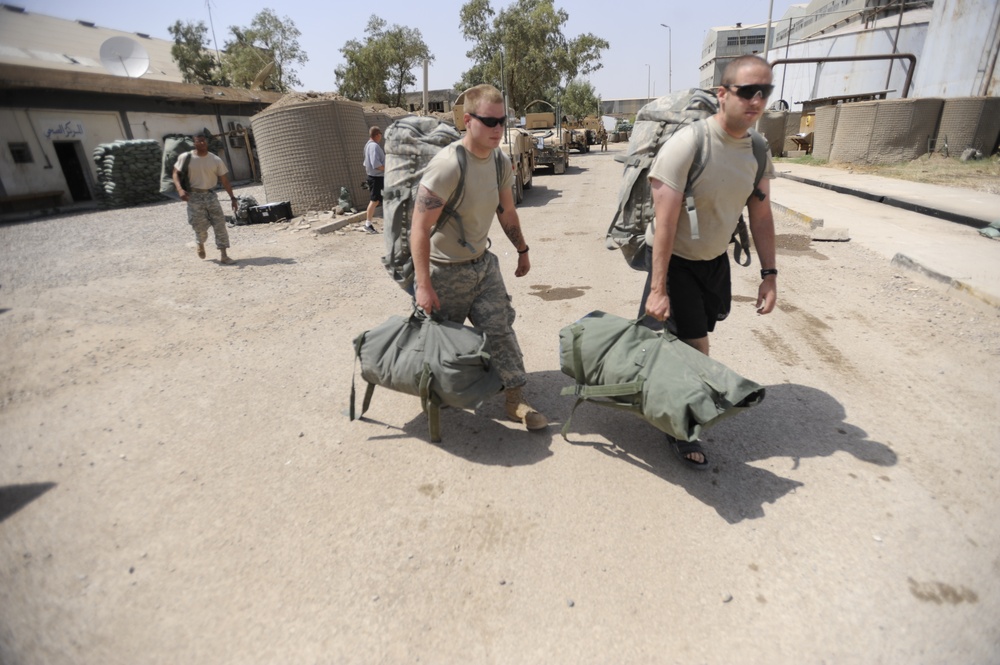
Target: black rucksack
655	123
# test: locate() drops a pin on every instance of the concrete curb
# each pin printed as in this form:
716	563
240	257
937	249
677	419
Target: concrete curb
895	202
340	223
811	222
903	261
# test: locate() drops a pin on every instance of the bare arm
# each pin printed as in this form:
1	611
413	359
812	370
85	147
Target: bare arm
177	185
229	188
426	213
511	224
667	208
762	228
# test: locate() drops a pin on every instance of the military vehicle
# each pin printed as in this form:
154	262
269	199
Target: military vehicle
517	143
551	146
589	127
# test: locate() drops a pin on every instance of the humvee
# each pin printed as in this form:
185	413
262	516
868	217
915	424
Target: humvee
551	143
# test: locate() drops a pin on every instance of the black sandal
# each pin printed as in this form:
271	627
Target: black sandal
684	448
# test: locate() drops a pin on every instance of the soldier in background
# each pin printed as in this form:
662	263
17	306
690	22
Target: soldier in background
202	171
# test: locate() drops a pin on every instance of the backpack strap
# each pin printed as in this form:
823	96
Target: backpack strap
450	210
741	236
702	153
498	157
760	149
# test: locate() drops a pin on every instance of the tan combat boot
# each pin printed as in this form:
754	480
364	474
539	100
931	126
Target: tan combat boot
519	411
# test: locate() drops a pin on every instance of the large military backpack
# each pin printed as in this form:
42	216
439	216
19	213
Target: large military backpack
655	123
410	144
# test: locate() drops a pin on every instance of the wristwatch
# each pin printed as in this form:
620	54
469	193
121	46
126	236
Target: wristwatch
768	271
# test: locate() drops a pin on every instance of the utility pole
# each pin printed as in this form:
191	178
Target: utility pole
670	59
647	82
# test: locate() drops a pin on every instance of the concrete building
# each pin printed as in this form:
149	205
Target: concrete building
58	102
723	44
438	101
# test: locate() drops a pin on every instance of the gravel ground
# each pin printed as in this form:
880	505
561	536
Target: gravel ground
179	483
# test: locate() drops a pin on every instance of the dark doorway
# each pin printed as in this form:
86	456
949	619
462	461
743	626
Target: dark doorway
69	155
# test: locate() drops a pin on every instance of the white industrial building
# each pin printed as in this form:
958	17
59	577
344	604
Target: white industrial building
954	44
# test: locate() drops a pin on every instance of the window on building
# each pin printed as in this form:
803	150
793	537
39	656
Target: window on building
744	40
435	107
21	153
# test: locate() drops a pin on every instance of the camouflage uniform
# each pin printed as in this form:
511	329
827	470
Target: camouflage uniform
204	210
476	291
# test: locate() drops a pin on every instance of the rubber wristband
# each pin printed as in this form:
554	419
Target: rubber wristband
768	271
524	251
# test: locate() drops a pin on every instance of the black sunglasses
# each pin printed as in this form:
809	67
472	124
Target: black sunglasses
750	91
489	122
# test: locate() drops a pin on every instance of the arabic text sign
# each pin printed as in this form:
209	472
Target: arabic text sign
71	129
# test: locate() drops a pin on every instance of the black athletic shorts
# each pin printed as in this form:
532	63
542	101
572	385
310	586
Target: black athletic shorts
700	293
375	183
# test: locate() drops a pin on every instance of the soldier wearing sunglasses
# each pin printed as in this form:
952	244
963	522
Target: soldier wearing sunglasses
456	275
689	285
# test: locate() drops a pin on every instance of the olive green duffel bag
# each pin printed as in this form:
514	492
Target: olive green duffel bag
622	364
442	362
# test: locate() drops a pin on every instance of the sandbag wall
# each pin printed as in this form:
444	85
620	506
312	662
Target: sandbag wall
128	172
887	131
309	151
969	122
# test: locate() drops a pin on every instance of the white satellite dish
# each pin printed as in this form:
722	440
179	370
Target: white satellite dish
122	56
262	76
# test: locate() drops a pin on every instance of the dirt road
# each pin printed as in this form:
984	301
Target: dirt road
178	483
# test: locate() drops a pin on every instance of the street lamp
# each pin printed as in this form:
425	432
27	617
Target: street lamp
670	58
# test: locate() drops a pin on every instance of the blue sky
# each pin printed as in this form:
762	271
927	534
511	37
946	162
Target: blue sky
636	62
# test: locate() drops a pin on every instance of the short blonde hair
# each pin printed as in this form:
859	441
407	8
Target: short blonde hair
479	95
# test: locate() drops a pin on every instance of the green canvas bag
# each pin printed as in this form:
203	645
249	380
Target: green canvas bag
622	364
442	362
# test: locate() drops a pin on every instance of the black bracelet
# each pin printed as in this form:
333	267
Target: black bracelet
768	271
523	251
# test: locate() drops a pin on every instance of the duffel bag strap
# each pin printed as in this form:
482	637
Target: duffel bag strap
430	405
352	412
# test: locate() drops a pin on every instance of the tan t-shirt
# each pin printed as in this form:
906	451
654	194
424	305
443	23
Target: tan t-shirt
720	193
477	207
203	172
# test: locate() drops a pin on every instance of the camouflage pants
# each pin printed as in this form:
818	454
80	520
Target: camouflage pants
204	210
476	291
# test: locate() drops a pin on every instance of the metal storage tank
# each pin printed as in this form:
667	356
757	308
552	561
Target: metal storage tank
309	151
969	122
824	129
886	131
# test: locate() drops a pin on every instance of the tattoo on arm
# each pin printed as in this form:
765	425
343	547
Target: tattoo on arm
428	201
514	234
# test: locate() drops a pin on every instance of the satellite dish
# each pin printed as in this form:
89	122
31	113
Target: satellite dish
122	56
262	76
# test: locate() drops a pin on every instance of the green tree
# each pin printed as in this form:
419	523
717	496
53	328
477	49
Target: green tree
579	99
537	57
192	55
268	39
380	68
